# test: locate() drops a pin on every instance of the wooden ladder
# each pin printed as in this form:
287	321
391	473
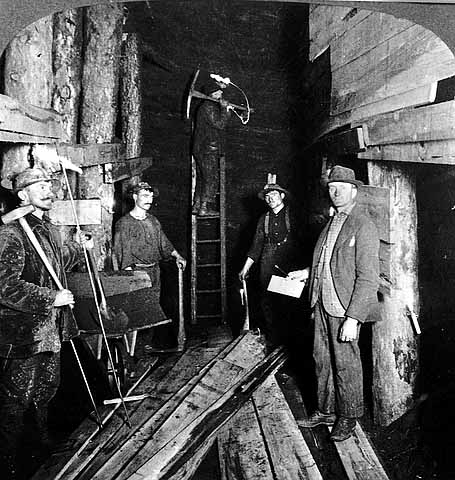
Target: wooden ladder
208	260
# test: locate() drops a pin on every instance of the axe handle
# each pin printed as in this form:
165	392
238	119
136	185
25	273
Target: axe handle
197	94
181	336
34	241
246	324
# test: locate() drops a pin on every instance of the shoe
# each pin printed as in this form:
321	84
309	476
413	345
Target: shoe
343	429
318	418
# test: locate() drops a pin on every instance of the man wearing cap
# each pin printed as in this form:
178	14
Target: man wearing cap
208	145
139	240
274	247
33	320
343	293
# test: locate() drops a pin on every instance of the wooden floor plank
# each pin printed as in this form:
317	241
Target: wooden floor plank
289	453
193	361
241	448
359	459
223	375
182	447
69	452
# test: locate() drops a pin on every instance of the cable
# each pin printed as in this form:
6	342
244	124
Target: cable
242	119
227	81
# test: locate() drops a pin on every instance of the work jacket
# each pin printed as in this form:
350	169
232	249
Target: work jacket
29	323
354	266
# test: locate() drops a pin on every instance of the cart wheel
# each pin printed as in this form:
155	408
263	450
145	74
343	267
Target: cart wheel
117	369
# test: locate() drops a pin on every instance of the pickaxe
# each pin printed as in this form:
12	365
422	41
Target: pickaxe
195	93
19	214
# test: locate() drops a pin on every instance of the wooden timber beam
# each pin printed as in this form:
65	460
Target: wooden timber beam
429	123
25	123
129	168
349	141
88	212
440	152
89	155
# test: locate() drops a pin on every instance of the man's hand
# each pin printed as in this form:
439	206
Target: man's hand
63	297
85	239
301	275
181	262
349	330
224	103
243	274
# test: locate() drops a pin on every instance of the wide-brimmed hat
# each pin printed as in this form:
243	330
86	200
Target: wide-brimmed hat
269	187
342	174
28	177
144	186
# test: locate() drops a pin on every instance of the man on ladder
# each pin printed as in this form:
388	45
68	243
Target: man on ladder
208	145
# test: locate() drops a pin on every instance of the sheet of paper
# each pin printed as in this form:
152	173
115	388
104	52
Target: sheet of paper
286	286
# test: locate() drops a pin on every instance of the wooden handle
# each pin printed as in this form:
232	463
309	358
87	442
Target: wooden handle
203	96
181	337
246	324
34	241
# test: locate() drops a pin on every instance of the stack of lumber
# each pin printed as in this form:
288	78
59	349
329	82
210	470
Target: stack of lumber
175	425
226	394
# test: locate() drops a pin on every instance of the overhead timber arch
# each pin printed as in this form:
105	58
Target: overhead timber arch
440	17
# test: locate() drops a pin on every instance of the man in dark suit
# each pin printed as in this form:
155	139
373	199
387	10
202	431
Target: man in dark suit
343	293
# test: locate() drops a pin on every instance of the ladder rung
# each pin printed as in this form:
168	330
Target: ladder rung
212	215
204	265
215	240
215	290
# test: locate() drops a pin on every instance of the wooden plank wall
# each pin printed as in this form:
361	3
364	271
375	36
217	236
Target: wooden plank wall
378	63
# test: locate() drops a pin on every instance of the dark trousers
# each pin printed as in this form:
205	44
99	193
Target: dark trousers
338	367
207	178
26	388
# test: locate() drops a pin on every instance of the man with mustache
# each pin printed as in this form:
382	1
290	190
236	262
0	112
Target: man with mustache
140	242
33	319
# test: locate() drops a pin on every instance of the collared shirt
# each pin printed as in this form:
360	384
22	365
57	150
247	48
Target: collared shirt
327	293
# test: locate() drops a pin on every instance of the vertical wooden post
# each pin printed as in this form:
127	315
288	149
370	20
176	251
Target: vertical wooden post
131	102
395	356
67	68
28	78
100	79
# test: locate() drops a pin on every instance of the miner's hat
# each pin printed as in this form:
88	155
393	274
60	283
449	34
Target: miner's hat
144	186
270	187
28	177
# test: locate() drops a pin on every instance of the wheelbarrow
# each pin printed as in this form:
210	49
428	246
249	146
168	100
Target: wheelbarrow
131	303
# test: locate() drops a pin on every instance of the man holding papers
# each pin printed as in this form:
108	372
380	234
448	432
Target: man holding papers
274	247
343	293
